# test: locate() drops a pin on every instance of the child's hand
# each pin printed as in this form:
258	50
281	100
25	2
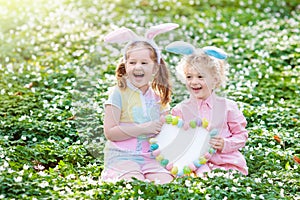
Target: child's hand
217	143
186	126
154	127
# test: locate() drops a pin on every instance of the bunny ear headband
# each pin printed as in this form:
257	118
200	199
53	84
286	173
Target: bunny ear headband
185	48
122	35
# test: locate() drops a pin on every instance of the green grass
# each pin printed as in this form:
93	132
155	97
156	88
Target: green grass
54	66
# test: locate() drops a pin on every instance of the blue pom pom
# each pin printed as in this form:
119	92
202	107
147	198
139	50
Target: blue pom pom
180	123
213	132
154	147
196	163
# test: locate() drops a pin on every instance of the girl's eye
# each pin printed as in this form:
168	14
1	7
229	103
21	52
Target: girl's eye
131	63
144	63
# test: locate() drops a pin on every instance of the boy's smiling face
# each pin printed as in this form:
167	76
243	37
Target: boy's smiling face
199	82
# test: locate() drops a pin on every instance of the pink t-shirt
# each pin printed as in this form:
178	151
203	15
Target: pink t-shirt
224	115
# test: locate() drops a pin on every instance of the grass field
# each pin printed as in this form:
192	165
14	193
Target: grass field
55	73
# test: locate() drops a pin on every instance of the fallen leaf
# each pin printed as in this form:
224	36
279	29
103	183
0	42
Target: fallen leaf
277	138
72	118
296	159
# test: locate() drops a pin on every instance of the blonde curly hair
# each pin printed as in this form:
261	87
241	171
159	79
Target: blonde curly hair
200	59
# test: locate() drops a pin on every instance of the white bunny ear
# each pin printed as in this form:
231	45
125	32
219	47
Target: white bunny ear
180	47
215	52
162	28
120	35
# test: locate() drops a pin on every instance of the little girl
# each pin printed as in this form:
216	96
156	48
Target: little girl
203	71
133	109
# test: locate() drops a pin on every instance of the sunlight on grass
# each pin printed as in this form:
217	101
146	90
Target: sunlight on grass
55	74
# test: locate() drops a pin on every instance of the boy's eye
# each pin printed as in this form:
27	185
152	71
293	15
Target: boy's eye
188	76
200	76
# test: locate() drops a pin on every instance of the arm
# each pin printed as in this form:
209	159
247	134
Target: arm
237	127
115	132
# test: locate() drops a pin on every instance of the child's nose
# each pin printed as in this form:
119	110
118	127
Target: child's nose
194	81
138	66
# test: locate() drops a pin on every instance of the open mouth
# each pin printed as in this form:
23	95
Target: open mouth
139	75
196	88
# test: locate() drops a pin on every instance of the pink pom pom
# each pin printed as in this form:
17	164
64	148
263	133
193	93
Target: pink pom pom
169	166
156	152
207	156
192	167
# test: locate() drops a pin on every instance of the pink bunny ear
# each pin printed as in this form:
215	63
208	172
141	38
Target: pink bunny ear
120	35
162	28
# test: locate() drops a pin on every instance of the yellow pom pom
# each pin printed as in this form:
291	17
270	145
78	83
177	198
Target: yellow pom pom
152	140
204	123
202	160
159	158
175	120
174	170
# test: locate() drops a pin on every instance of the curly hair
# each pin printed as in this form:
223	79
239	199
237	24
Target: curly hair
198	60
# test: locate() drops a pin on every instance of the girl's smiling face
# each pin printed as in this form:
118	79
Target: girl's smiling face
140	67
200	83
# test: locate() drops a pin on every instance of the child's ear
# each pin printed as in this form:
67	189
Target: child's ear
216	80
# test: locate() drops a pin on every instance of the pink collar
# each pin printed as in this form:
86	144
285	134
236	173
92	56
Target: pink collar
208	101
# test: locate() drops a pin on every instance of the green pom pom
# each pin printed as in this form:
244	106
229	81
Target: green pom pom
164	162
186	170
212	151
193	124
169	119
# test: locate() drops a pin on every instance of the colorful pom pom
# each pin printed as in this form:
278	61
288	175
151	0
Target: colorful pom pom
196	163
212	150
152	140
207	155
192	167
193	124
180	123
175	120
159	158
153	147
180	173
174	170
204	123
169	119
169	166
213	133
199	122
202	160
186	170
156	152
164	162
